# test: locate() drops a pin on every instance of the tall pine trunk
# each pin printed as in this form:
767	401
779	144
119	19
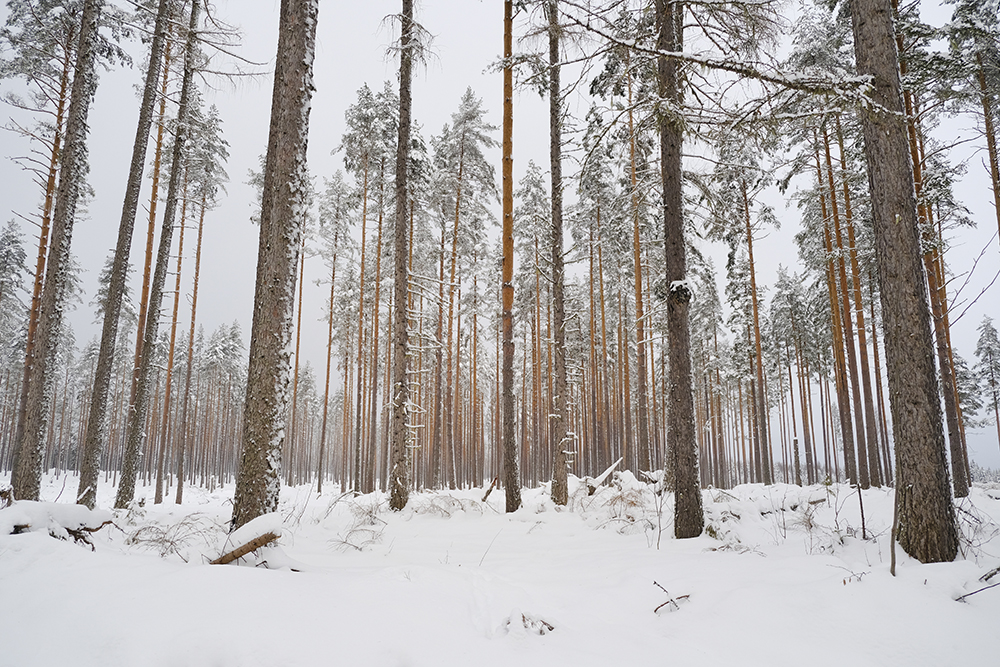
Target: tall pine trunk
925	517
399	471
97	421
511	474
136	431
27	474
282	223
688	517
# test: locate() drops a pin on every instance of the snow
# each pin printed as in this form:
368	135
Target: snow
781	577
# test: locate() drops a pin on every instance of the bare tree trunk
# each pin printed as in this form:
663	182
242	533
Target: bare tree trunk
27	474
558	418
926	520
282	223
399	471
991	139
642	420
688	517
136	432
43	240
182	440
839	363
359	417
874	467
762	412
864	478
292	427
511	476
97	421
161	459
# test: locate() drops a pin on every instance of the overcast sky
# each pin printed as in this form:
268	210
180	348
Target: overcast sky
351	50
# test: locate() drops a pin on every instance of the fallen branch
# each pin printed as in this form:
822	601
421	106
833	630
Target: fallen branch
989	575
673	600
493	485
961	598
242	551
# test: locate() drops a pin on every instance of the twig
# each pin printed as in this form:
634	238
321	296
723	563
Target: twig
672	600
490	546
961	598
989	575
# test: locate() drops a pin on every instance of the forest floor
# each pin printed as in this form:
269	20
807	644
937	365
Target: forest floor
782	576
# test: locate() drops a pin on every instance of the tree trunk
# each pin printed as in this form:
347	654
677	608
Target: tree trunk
926	521
763	416
182	440
282	222
871	424
161	459
136	432
511	476
688	517
97	421
847	326
642	420
399	471
558	418
27	474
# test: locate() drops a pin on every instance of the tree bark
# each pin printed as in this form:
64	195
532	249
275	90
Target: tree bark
558	418
511	474
27	474
399	471
97	420
926	519
136	431
282	222
688	517
182	440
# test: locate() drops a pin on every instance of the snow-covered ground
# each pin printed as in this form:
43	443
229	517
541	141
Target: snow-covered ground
782	576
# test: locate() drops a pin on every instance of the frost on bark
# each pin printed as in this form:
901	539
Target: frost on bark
282	220
682	445
136	430
97	420
926	522
399	475
27	473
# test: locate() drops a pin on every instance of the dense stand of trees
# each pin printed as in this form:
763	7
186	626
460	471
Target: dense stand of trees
582	328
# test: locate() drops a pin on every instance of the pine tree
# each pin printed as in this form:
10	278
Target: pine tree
140	402
925	524
281	225
97	421
26	477
511	476
399	484
688	517
988	367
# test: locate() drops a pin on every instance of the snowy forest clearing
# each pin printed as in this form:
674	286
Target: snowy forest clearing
780	577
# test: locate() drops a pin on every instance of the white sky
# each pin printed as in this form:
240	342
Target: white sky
351	50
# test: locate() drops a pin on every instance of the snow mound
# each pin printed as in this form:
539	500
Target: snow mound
27	516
